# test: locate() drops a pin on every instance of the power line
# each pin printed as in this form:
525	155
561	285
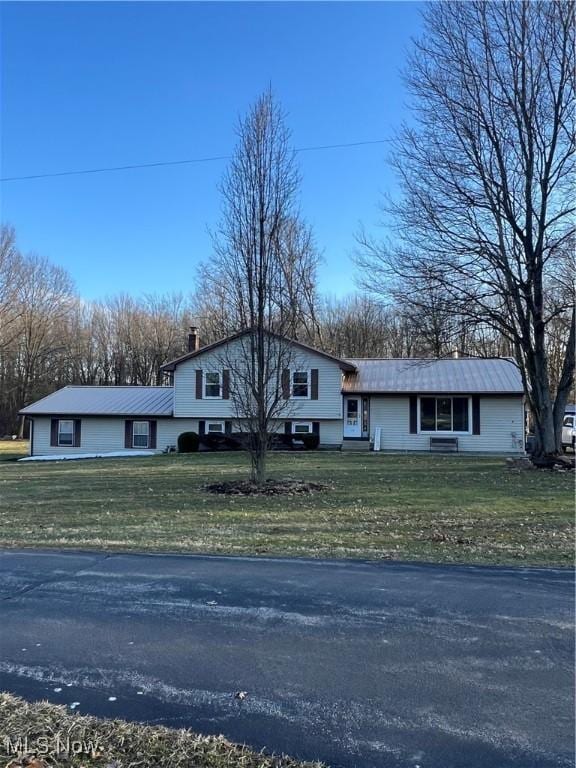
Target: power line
181	162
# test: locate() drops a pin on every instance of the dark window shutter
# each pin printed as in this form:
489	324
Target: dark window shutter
128	429
314	384
476	415
413	414
198	384
225	384
54	432
285	383
287	427
77	433
202	427
316	427
227	427
153	431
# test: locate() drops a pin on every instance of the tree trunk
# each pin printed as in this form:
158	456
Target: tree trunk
565	384
258	457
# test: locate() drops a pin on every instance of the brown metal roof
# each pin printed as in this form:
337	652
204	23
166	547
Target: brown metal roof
461	375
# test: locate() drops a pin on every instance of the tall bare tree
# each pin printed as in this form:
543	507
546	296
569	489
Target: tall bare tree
487	174
260	214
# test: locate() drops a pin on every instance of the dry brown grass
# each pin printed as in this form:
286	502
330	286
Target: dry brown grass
10	450
53	735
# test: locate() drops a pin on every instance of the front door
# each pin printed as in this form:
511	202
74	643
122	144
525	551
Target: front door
352	417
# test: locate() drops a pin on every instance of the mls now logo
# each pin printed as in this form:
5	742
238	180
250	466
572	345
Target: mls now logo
44	745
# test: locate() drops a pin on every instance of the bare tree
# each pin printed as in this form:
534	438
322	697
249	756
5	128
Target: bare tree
486	215
259	211
11	275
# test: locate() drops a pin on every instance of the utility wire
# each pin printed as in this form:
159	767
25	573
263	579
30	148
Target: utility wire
181	162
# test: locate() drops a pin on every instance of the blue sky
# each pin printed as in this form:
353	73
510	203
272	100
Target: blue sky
88	85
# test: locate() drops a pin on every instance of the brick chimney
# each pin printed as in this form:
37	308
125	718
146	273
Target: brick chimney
193	339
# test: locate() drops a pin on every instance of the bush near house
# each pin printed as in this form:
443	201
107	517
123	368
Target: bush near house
188	442
311	442
239	441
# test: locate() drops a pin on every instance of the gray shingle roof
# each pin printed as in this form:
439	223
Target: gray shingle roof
105	401
462	375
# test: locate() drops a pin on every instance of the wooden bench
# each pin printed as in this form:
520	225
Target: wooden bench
444	444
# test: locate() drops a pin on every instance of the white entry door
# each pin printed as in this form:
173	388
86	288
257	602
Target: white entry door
352	416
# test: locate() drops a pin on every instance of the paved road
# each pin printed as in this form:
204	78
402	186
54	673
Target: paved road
359	664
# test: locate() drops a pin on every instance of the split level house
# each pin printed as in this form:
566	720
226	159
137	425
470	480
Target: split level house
463	404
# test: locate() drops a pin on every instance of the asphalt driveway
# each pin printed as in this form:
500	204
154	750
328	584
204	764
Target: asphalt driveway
356	663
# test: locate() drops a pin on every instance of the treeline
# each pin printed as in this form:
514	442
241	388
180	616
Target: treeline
50	336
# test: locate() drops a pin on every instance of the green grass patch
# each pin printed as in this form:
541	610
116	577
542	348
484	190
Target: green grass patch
52	735
420	507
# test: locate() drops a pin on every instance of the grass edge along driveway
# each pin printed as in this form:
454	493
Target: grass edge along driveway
382	506
50	731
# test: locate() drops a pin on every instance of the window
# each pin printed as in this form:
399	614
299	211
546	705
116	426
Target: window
66	432
444	414
568	421
215	427
140	434
302	428
300	384
212	384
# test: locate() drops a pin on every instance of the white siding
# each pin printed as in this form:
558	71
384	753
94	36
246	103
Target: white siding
102	434
328	405
500	419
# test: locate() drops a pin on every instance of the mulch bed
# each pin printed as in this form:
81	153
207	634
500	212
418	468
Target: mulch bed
555	463
271	487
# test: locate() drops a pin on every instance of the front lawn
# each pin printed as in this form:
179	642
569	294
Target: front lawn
410	507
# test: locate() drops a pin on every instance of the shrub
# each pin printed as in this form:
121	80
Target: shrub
311	442
188	442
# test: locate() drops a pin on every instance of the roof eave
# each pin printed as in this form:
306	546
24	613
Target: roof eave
139	414
515	393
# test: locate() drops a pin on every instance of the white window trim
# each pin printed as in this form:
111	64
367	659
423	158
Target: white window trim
308	373
205	384
212	423
301	424
66	445
442	432
141	447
